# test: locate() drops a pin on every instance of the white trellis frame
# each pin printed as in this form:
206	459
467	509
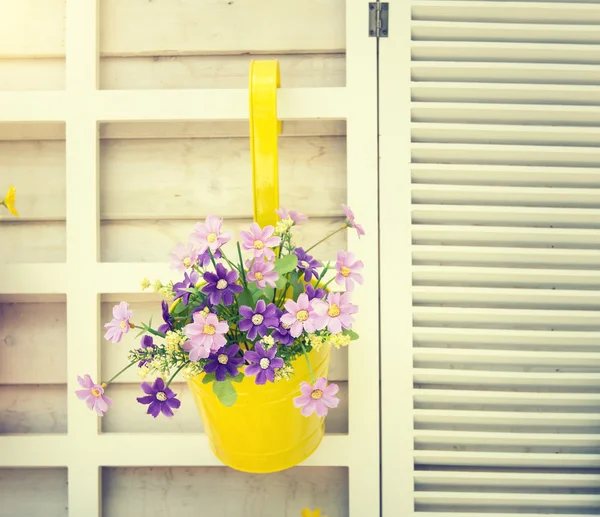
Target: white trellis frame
84	450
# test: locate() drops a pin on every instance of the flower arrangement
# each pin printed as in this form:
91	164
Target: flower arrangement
9	201
248	316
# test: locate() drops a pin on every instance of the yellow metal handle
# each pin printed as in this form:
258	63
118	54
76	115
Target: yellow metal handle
264	128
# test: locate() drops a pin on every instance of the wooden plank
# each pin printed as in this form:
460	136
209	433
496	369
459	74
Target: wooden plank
152	241
33	409
127	416
179	27
34	492
32	242
33	451
229	71
31	74
34	339
224	492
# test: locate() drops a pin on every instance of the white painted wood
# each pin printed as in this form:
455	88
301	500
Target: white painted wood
33	492
223	492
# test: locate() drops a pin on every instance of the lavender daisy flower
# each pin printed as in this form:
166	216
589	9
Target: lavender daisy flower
188	282
221	285
119	324
350	222
313	293
295	216
336	312
300	315
183	257
262	273
168	320
147	342
307	264
262	363
223	362
208	235
282	333
204	258
258	320
93	394
260	241
160	398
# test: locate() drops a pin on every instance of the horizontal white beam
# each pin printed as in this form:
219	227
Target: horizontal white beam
34	451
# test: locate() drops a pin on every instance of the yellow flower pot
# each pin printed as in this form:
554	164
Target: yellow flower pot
263	432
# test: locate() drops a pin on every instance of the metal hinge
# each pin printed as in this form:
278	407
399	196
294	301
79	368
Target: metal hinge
379	13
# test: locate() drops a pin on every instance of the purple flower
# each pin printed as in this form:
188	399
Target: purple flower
258	320
350	222
282	333
208	235
262	363
119	325
168	320
161	398
260	241
221	285
188	282
336	312
347	270
307	264
263	273
317	398
300	315
147	342
224	362
205	335
93	394
204	258
183	257
296	217
313	293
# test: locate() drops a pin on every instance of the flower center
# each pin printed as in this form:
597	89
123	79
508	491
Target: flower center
258	275
211	237
265	363
123	324
209	329
333	311
344	271
223	358
96	392
302	315
162	396
259	245
187	262
257	319
316	394
221	284
286	326
304	264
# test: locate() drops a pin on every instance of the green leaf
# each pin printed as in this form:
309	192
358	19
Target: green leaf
353	335
297	286
238	378
281	281
286	264
225	392
189	290
179	308
245	298
208	378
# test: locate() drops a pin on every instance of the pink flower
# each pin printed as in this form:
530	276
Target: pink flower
350	222
260	241
297	217
206	335
317	398
183	257
93	394
300	315
336	312
208	235
263	273
347	268
119	325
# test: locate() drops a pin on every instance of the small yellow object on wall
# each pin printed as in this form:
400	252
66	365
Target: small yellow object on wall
314	513
9	201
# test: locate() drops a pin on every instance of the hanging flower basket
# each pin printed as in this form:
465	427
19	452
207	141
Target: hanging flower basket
252	335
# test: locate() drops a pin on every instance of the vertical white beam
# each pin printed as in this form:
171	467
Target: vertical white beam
396	263
82	249
361	81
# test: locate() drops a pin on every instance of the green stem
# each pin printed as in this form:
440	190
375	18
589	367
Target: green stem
212	259
327	237
325	286
325	269
116	375
176	372
242	266
310	372
152	331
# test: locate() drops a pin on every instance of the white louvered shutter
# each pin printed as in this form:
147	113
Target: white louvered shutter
490	133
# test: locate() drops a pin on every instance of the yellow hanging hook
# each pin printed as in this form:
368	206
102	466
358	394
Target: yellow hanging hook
264	128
